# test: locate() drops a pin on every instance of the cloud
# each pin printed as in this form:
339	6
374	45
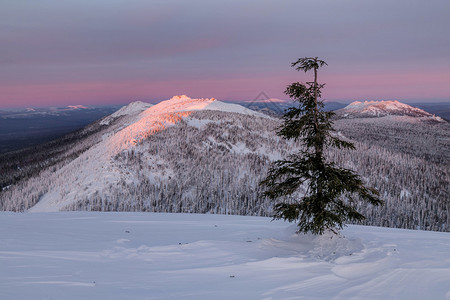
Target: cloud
51	44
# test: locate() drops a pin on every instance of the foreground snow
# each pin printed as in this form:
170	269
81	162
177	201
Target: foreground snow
79	255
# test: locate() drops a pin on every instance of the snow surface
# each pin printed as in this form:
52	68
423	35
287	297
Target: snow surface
184	103
80	255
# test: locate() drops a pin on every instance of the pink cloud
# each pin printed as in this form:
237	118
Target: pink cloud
355	86
121	92
389	85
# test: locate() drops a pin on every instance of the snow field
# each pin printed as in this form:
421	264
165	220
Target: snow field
81	255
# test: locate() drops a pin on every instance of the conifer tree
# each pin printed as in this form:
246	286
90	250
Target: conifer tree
331	191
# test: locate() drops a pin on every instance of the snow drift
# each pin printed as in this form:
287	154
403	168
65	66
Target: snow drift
81	255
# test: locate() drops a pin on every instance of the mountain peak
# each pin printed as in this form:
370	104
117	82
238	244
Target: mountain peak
183	97
180	97
373	109
76	107
139	121
130	109
383	104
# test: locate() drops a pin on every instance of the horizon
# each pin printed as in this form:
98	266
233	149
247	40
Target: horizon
156	101
69	53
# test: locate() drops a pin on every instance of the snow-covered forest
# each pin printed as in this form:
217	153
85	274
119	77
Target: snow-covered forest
213	161
407	160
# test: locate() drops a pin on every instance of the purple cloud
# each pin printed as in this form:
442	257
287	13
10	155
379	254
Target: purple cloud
112	51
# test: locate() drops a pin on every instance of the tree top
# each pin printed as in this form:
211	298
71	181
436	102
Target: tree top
308	63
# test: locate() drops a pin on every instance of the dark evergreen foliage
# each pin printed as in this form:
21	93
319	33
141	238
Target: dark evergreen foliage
332	192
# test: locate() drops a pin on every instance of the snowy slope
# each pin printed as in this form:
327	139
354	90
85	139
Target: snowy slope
110	256
366	109
95	171
133	108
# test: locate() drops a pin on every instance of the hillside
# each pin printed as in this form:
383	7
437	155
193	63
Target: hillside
407	160
207	156
97	171
79	255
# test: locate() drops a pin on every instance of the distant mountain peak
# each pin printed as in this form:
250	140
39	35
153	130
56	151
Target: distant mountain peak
387	105
373	109
77	107
271	100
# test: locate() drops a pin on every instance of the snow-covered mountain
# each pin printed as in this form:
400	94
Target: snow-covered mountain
98	171
207	156
369	109
79	106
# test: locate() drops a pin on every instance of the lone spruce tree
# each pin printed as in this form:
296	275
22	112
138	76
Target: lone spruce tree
331	192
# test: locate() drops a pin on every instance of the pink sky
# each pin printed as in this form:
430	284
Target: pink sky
80	52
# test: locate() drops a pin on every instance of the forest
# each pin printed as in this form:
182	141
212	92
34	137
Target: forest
213	161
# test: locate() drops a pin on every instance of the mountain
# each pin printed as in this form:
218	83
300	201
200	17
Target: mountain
79	106
441	109
21	128
277	107
372	109
207	156
30	112
99	169
332	105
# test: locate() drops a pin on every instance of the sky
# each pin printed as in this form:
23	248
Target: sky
117	51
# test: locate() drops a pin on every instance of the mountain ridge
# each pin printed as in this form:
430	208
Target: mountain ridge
195	156
377	109
136	122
